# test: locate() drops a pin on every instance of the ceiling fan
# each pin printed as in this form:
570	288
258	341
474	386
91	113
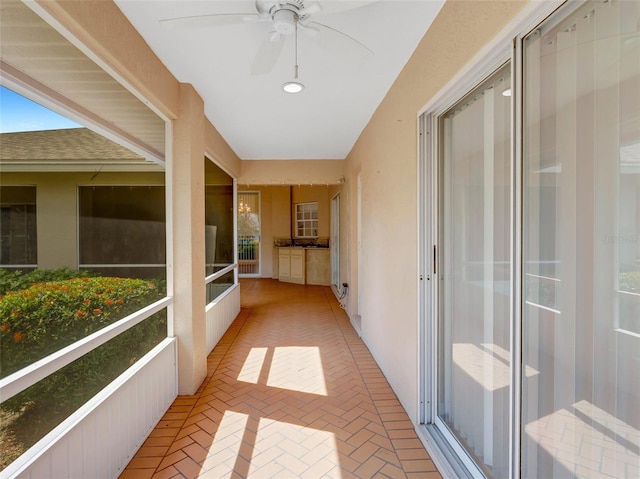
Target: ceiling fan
286	18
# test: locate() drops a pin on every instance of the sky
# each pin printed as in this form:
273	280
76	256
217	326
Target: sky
20	114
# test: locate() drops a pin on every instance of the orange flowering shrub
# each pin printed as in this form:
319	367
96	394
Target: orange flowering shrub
48	316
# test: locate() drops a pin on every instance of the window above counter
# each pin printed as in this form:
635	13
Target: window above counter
307	220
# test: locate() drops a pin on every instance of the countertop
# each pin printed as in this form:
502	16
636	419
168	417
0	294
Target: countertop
304	247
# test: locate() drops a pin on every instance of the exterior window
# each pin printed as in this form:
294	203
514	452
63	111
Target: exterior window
18	239
122	230
307	220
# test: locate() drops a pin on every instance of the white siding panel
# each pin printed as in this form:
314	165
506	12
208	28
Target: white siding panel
220	315
60	459
103	429
90	438
76	449
100	439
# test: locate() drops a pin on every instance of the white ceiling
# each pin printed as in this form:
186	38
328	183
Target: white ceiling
253	114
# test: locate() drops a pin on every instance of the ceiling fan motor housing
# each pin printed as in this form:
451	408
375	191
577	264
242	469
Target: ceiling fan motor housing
284	20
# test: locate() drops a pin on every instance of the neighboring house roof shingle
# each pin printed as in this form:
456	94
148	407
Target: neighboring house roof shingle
74	144
73	149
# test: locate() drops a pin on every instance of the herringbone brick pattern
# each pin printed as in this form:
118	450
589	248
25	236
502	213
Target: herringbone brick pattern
291	392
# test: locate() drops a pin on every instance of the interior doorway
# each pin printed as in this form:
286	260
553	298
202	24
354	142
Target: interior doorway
249	234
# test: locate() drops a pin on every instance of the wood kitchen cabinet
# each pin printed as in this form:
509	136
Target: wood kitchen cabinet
291	265
304	265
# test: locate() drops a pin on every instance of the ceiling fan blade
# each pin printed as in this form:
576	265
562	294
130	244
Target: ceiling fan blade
262	6
308	29
268	53
337	42
311	8
215	20
337	6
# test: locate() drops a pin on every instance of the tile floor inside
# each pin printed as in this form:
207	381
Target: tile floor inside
291	392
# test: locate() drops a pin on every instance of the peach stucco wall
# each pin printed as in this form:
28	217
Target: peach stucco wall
290	172
386	157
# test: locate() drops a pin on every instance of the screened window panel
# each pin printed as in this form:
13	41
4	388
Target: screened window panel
218	217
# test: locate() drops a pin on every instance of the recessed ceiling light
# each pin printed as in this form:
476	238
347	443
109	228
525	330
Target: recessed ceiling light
292	87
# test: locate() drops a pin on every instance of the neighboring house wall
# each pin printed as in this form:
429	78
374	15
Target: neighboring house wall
57	208
386	155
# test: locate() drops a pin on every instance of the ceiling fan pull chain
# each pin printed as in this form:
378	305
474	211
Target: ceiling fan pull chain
296	50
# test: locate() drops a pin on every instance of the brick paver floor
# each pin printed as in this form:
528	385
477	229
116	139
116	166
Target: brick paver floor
291	392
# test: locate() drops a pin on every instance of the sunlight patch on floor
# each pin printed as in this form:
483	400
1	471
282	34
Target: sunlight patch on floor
289	450
298	368
587	441
225	447
487	364
250	372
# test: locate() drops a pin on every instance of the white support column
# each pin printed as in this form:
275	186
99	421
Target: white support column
186	180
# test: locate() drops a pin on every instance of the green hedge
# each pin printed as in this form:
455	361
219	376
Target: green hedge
17	280
46	316
630	282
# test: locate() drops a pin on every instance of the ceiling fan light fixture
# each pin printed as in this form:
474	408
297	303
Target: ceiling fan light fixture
292	87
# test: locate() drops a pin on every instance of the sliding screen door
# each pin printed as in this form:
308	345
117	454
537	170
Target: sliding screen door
335	242
473	330
581	285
